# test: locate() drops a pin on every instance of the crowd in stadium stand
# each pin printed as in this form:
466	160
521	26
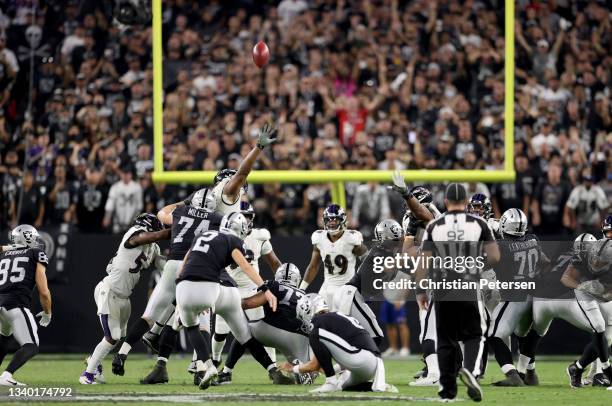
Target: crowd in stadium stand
367	84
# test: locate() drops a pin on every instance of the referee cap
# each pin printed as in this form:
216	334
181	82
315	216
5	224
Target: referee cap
455	192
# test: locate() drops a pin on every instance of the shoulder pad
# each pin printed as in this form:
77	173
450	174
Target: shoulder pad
532	237
355	237
316	236
261	234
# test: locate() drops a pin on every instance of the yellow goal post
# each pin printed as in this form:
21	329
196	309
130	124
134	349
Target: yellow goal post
337	178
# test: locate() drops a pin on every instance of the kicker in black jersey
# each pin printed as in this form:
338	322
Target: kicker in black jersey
342	331
208	256
285	316
18	275
187	222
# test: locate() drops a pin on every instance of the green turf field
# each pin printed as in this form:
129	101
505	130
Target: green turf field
251	385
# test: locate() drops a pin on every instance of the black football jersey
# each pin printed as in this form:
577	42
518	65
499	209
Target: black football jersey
520	260
285	316
549	285
342	331
208	256
364	277
187	222
18	275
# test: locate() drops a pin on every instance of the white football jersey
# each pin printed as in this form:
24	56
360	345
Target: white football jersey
258	243
338	258
124	269
224	206
494	224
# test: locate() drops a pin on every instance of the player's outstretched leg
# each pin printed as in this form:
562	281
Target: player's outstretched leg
159	374
104	347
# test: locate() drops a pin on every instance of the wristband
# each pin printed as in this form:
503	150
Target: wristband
262	288
304	285
296	369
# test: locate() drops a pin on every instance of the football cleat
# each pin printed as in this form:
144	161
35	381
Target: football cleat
422	373
225	378
327	387
474	390
600	379
531	378
159	374
278	378
192	367
204	379
575	375
118	366
513	379
99	374
151	340
86	378
425	381
391	388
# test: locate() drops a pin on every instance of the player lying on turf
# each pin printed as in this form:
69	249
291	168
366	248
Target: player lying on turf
200	287
339	249
137	251
22	266
336	337
278	329
351	298
258	246
186	220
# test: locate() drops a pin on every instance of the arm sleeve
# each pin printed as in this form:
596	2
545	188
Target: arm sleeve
40	257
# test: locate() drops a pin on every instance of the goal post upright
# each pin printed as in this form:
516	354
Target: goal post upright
337	178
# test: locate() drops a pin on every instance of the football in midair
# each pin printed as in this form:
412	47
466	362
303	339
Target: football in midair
261	54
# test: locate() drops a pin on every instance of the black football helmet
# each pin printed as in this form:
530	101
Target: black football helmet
422	194
227	173
480	205
149	221
334	219
606	227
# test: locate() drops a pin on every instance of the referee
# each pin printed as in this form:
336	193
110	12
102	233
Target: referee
453	235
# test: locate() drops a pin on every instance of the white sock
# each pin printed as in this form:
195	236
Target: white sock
272	365
531	366
101	351
227	370
507	368
217	349
156	329
271	353
522	363
433	370
194	356
125	349
164	359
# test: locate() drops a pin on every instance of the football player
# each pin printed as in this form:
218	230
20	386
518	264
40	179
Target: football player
521	260
606	227
22	266
420	211
198	288
186	220
335	336
278	329
258	245
137	251
230	185
553	299
350	299
593	290
339	249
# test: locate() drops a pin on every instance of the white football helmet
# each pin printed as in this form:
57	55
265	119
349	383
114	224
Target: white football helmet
236	224
513	222
600	256
204	199
25	235
388	230
288	274
308	306
583	242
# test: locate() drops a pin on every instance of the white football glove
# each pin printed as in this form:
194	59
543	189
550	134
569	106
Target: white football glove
45	319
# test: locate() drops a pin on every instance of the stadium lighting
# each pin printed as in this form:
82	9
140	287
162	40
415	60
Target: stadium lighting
338	177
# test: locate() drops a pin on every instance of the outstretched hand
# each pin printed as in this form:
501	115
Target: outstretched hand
265	136
399	185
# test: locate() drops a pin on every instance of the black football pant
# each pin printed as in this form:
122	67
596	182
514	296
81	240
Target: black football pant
458	321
